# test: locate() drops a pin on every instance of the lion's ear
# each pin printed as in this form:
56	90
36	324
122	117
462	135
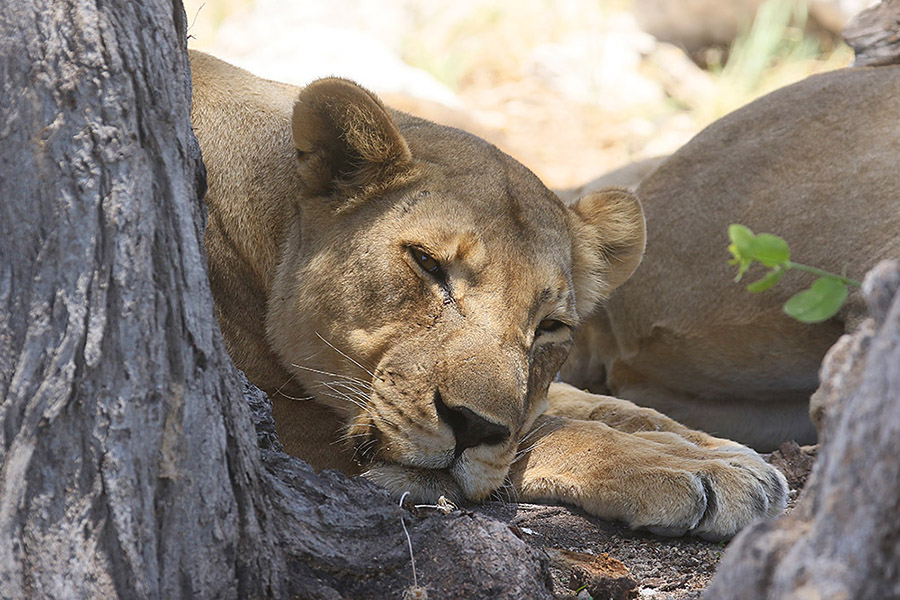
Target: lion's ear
345	138
609	243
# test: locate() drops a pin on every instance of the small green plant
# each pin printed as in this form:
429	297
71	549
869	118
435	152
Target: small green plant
820	302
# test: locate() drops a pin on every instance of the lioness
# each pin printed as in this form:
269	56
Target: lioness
817	163
405	293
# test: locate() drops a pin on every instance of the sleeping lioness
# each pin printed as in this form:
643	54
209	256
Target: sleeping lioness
405	293
816	163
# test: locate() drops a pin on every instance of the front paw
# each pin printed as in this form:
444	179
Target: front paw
741	487
656	481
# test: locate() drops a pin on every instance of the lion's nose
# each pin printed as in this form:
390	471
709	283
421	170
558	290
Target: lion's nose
469	428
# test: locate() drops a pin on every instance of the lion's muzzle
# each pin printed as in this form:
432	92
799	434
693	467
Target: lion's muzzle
469	428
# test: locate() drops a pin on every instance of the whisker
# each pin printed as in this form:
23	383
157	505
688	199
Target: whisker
354	361
360	386
512	494
338	395
281	387
307	358
298	398
364	448
330	374
355	425
358	400
521	453
342	389
349	436
349	388
532	432
341	396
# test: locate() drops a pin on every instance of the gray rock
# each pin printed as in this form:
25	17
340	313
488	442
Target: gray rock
873	35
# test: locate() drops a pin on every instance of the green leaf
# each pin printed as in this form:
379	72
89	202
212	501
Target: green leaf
743	265
767	282
741	241
741	248
819	303
770	250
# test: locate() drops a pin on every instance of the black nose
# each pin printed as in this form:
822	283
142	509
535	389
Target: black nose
469	428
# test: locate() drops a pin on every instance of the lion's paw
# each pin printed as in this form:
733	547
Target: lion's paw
712	494
655	481
725	493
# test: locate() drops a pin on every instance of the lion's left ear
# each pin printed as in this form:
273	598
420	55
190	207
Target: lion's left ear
346	139
609	243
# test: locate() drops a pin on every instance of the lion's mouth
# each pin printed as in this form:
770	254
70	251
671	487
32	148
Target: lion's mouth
423	485
459	478
375	448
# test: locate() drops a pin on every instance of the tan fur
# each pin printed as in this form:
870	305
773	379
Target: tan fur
815	163
321	203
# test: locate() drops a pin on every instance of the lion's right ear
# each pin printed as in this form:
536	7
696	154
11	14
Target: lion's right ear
608	244
345	138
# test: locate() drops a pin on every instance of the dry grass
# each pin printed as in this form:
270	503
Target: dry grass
774	52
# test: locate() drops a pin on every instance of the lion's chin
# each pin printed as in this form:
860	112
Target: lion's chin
457	483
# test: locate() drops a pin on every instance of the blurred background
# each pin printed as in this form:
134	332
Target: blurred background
572	88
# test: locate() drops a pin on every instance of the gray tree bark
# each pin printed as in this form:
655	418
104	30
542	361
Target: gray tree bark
129	465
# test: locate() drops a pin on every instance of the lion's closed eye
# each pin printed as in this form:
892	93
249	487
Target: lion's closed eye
550	325
428	263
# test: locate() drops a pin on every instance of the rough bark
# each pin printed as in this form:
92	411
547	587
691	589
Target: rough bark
874	35
129	465
842	540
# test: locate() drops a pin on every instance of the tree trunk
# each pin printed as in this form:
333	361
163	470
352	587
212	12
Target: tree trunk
129	459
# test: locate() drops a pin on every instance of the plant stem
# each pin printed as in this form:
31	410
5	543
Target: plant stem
845	280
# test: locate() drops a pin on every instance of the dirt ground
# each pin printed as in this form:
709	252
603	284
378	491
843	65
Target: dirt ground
602	559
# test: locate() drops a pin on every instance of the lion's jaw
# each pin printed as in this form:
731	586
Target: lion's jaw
410	439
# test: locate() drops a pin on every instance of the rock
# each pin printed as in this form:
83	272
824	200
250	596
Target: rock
874	35
841	369
662	568
600	575
695	24
795	461
842	539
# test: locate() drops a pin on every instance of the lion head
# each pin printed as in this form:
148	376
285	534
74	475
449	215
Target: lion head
413	279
